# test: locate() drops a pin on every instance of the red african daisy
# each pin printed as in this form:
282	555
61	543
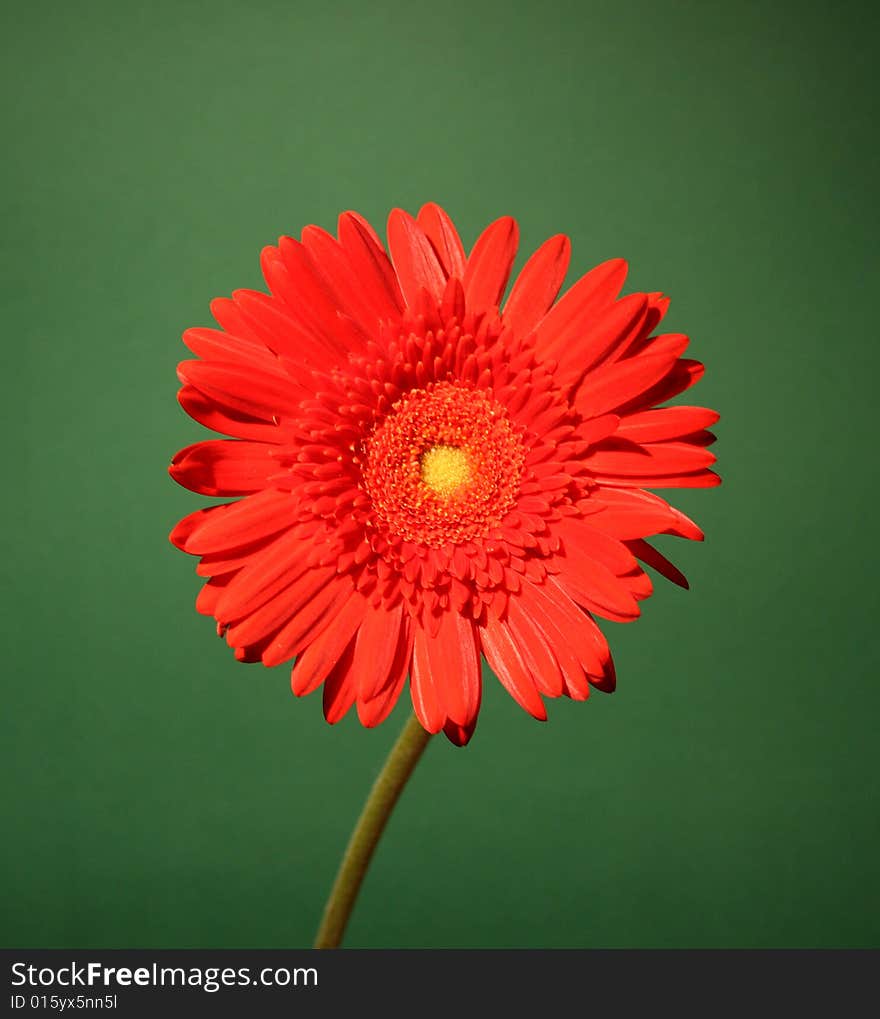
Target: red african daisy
427	476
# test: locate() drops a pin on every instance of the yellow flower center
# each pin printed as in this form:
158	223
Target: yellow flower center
444	466
445	469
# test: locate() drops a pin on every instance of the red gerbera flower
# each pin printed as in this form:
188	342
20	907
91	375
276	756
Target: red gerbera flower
428	477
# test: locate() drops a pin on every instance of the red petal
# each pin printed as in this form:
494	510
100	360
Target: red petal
454	662
558	334
304	290
183	529
597	429
223	467
441	232
528	604
280	328
629	513
246	390
612	385
353	292
376	647
507	662
262	623
612	331
294	603
683	374
372	265
425	686
244	522
488	267
374	710
265	577
340	687
668	343
216	563
622	459
458	735
209	595
367	229
638	583
579	631
648	554
232	321
313	608
536	654
537	285
594	586
577	534
214	345
321	655
211	414
452	305
665	423
582	632
415	260
695	479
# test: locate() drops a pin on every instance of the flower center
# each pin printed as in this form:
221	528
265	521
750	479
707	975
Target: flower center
444	465
445	469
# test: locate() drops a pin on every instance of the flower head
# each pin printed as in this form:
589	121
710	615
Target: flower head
427	475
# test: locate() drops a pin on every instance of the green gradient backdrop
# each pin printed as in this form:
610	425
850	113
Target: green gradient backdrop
156	793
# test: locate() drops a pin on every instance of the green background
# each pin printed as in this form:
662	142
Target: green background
156	793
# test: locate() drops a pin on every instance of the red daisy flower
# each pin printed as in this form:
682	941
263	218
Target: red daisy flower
427	477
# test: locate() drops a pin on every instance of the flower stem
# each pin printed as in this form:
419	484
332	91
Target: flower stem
383	796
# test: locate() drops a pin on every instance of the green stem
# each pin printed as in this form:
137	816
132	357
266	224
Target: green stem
386	790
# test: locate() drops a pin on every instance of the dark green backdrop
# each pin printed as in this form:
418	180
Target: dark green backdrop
156	793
